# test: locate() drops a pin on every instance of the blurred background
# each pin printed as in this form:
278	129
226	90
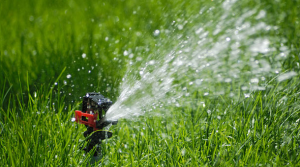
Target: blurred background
96	41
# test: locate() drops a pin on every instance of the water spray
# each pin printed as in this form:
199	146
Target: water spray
94	108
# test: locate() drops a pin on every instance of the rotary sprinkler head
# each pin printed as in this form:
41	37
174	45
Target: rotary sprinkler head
94	108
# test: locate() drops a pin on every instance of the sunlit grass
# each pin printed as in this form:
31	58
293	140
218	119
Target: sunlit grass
259	130
41	42
38	132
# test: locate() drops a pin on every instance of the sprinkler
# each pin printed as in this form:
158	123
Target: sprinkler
94	108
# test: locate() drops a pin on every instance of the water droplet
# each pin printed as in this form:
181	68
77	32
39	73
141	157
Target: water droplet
254	80
244	88
180	27
125	53
227	80
131	55
260	45
151	62
183	151
156	32
198	81
286	76
247	95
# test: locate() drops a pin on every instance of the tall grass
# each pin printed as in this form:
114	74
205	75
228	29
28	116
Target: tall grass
38	132
260	130
53	52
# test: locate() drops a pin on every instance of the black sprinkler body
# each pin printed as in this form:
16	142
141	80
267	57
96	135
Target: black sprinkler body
94	108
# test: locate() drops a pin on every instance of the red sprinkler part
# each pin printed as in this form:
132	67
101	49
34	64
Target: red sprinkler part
90	119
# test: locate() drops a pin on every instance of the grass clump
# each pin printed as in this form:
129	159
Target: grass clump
260	130
38	132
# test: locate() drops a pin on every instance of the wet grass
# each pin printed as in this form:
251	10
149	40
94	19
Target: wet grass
260	130
42	42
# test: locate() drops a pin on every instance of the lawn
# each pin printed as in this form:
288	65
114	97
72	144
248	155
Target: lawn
214	83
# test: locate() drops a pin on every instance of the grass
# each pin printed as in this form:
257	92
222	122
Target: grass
260	130
41	42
